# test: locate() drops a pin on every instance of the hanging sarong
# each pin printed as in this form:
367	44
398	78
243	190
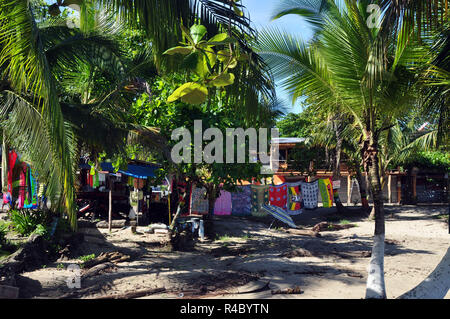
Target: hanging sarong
7	197
260	197
22	186
223	204
199	201
326	192
27	202
310	192
295	198
241	201
278	195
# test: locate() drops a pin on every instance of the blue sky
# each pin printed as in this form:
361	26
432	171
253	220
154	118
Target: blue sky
260	12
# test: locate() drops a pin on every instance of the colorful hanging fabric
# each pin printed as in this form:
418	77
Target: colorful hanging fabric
241	201
12	157
295	198
260	196
27	202
310	193
22	186
278	195
95	182
326	192
34	190
199	201
223	204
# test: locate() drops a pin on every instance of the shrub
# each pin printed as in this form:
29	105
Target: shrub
26	222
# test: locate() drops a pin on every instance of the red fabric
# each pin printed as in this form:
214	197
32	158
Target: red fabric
278	195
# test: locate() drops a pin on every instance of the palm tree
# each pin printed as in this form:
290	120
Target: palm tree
340	67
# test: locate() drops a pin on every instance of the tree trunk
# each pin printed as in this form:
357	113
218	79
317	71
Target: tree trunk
362	191
375	281
436	285
337	167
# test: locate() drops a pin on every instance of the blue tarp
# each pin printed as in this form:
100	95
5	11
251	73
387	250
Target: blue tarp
137	171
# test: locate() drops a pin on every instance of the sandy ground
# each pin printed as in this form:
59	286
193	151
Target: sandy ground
245	252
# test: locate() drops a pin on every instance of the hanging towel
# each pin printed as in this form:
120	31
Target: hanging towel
310	193
223	204
95	182
326	192
28	201
199	202
278	195
241	201
295	198
22	186
12	157
260	196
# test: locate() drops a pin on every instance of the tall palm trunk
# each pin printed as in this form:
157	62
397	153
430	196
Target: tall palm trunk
375	281
336	165
362	191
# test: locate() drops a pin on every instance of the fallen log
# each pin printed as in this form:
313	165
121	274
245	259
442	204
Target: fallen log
97	269
303	232
117	223
132	294
288	291
324	226
114	257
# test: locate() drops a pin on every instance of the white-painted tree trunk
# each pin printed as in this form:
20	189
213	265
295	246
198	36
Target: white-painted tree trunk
375	288
436	285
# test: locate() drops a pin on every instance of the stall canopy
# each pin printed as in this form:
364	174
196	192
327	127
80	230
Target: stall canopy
138	171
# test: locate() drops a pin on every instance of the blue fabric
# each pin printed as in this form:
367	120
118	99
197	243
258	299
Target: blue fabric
279	214
137	171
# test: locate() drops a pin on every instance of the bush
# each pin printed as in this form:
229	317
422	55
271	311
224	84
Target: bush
26	222
3	231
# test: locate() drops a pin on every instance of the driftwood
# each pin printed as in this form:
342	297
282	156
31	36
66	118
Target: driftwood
323	226
113	257
97	269
303	232
299	252
133	294
117	223
288	291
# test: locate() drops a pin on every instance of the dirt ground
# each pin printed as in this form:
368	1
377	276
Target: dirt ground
246	254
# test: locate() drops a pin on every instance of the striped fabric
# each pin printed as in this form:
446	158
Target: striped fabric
279	214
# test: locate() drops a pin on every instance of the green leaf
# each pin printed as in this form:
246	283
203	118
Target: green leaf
219	37
198	31
178	50
237	11
223	80
223	55
190	92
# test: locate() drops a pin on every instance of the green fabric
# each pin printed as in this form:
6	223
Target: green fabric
260	197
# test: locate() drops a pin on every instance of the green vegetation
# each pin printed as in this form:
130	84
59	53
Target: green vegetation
87	257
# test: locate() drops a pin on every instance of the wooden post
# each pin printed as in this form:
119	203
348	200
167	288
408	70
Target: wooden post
349	189
110	205
389	188
414	187
168	204
399	189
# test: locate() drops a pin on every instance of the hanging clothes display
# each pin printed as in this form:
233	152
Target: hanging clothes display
310	193
95	182
241	201
278	195
27	202
199	201
22	186
326	192
223	204
260	197
295	198
12	158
